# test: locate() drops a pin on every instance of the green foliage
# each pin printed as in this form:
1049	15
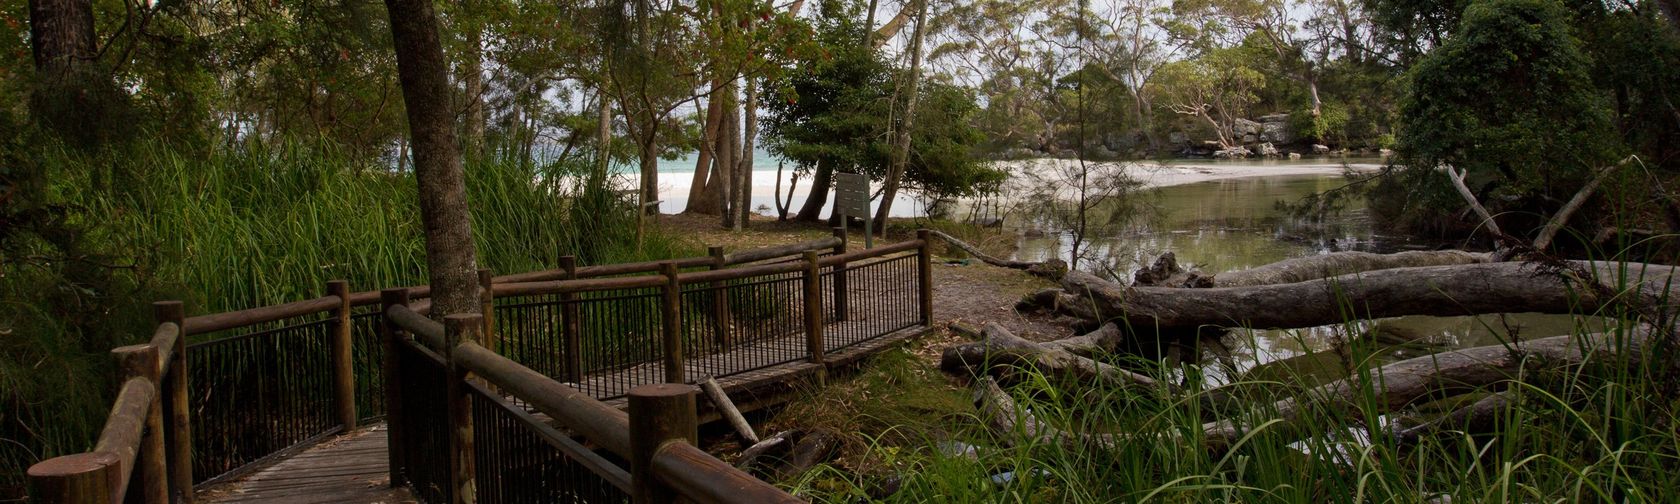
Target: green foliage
1508	98
837	113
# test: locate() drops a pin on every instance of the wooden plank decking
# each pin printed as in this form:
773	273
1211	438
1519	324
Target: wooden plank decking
348	468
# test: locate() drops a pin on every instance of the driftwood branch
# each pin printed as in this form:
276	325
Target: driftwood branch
1475	204
1563	214
1051	268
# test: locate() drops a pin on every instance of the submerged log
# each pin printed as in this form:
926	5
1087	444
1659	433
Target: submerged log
999	350
1471	289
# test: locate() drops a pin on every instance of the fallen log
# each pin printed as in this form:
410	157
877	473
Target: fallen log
727	409
1343	263
1470	289
999	350
1396	385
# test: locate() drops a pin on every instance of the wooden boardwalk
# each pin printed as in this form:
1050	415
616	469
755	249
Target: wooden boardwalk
354	469
349	468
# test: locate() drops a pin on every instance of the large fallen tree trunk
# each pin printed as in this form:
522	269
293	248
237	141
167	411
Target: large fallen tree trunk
999	351
1470	289
1343	263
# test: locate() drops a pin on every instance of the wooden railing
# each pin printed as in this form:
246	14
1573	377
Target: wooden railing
175	425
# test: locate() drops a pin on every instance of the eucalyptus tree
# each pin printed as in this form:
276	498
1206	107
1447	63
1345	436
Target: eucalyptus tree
996	47
1216	88
1299	54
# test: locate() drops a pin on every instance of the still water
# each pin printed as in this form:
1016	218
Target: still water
1234	224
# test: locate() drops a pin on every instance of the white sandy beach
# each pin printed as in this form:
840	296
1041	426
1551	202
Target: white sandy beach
674	185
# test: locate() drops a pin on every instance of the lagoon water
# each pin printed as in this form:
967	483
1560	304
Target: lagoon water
1233	224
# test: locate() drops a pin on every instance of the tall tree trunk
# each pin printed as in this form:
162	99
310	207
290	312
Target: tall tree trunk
650	171
603	141
68	94
472	78
743	181
869	22
811	211
901	160
700	198
450	257
729	151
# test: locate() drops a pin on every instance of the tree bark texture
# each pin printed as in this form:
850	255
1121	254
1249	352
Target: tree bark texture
69	93
472	83
743	180
821	182
901	158
701	197
450	257
729	151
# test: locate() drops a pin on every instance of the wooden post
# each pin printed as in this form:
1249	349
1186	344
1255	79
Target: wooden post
813	308
149	481
82	478
924	271
671	323
487	307
344	368
570	324
720	302
461	328
839	281
178	431
660	414
389	337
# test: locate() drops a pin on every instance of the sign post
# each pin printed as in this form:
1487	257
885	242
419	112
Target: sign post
851	198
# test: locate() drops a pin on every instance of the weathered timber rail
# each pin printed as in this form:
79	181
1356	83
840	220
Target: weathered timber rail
536	388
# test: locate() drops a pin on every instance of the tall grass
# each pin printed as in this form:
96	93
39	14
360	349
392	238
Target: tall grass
232	228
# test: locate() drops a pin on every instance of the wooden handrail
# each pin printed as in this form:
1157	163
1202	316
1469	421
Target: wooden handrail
793	249
694	473
163	338
703	478
604	425
428	331
228	320
581	285
124	428
881	251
